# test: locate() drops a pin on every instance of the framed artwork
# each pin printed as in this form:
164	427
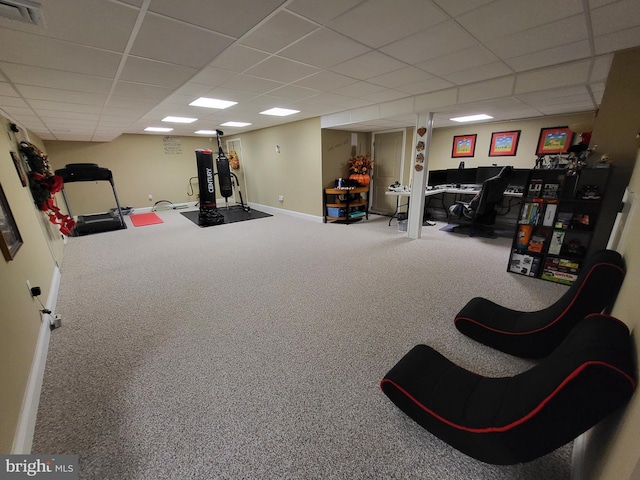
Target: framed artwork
10	239
464	146
553	141
17	161
504	144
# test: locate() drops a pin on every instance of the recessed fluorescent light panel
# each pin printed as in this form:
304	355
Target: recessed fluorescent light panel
158	129
205	132
179	119
212	103
279	112
472	118
235	124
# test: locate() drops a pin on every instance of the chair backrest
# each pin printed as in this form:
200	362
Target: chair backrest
491	193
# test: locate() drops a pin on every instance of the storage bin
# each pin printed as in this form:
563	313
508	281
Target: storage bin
402	225
336	212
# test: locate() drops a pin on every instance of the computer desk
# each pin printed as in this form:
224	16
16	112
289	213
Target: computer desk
441	190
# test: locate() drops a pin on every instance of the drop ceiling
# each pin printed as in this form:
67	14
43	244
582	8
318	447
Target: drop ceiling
91	70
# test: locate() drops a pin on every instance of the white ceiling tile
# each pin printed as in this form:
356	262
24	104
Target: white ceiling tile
12	102
55	94
65	107
402	18
193	90
458	7
278	32
248	83
461	60
444	38
563	75
358	89
617	40
321	12
615	17
489	89
281	70
425	86
55	54
152	72
478	73
600	68
6	90
46	77
238	58
324	48
45	113
368	65
186	45
386	95
402	76
365	113
399	106
232	18
552	95
502	17
542	37
325	80
293	92
140	91
552	56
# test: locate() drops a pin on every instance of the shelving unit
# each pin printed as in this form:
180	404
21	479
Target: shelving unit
346	205
558	216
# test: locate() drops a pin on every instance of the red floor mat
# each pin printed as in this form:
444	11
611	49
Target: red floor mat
143	219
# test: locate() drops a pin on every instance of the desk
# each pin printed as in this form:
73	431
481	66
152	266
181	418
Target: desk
441	190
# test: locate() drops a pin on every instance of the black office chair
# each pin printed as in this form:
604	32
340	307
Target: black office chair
480	213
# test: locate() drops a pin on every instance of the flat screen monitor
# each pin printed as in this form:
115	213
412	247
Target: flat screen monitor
461	176
437	177
483	173
519	179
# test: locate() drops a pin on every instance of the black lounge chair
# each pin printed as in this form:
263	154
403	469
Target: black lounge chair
536	334
517	419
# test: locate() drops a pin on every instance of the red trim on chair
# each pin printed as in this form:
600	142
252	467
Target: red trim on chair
557	319
520	421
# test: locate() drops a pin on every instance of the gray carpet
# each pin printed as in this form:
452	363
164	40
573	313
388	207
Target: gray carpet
255	351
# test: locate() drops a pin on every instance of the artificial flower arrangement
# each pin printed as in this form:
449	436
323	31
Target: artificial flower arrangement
360	164
44	185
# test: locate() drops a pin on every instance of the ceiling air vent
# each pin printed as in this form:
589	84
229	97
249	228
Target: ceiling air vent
21	10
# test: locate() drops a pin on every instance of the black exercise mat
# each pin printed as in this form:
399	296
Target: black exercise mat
232	215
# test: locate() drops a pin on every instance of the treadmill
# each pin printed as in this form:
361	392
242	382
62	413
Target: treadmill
100	222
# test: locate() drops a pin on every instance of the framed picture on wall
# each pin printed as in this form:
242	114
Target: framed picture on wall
464	146
504	144
10	239
554	140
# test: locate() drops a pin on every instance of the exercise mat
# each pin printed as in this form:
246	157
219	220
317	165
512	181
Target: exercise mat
144	219
231	215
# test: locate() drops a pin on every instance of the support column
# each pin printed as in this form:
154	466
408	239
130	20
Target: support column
420	153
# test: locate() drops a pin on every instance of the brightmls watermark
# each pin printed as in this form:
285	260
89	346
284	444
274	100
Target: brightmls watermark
46	467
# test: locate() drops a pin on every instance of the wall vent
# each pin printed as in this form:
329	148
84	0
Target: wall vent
22	10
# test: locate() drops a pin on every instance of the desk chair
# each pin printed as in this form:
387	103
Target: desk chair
481	211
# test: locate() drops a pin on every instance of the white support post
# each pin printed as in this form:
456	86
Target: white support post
421	144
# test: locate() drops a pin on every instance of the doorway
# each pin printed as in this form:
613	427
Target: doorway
235	145
388	156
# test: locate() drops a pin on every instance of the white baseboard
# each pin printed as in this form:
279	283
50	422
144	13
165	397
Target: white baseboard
23	438
291	213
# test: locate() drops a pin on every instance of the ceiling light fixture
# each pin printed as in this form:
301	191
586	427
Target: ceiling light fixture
279	112
472	118
235	124
212	103
158	129
179	119
205	132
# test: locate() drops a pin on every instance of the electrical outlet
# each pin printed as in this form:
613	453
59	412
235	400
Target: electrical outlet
150	198
281	198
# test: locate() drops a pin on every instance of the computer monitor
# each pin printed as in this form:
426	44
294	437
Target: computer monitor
461	176
484	173
437	177
519	179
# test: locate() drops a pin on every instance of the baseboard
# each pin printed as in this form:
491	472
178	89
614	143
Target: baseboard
578	457
23	438
291	213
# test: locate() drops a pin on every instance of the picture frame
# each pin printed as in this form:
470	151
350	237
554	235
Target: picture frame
10	239
464	146
17	161
504	144
554	141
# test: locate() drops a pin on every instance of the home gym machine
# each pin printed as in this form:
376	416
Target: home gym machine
209	214
96	223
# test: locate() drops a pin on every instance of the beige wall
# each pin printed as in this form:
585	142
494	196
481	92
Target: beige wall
20	317
336	152
144	165
442	141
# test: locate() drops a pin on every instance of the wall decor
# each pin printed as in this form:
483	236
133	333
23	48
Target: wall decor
504	144
554	140
17	161
464	146
10	239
